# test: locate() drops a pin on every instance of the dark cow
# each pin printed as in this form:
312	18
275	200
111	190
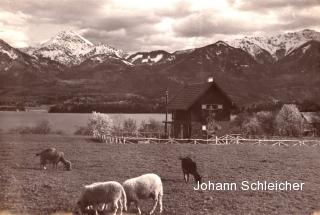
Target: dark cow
189	167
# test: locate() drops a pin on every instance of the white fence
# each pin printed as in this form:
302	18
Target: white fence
224	140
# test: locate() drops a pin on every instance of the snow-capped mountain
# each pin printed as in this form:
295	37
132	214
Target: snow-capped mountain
304	59
278	45
70	48
12	59
212	58
17	67
242	68
103	62
101	49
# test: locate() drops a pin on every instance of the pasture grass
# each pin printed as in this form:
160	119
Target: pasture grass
25	189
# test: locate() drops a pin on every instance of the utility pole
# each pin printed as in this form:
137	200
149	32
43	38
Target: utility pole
166	122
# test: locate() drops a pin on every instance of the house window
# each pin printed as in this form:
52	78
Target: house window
212	106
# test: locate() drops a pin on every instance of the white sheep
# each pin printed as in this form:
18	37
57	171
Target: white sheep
144	187
102	193
54	156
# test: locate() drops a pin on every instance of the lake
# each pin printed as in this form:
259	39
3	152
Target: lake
67	122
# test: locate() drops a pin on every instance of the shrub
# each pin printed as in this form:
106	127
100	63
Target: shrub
251	126
153	127
130	126
82	130
117	125
261	123
42	127
100	124
59	132
289	121
212	125
266	120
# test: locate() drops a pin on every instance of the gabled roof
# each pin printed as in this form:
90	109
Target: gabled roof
190	94
311	117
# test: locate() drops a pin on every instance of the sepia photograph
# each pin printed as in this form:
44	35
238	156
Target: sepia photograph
172	107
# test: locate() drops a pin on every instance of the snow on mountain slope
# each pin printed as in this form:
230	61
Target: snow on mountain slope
70	48
11	57
10	53
14	62
278	45
104	49
150	57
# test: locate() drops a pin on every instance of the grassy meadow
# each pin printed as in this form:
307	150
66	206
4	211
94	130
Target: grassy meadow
25	189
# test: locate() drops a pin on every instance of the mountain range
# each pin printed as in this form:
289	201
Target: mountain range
68	67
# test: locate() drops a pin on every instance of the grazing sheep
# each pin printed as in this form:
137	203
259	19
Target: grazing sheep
101	193
144	187
189	167
53	156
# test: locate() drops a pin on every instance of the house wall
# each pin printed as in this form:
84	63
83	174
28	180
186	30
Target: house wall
213	96
189	122
181	124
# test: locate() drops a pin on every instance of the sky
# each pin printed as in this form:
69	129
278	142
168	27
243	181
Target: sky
145	25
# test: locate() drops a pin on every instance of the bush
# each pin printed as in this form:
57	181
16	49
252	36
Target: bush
59	132
212	125
153	127
130	126
266	120
117	125
42	127
82	130
261	123
251	126
289	121
100	124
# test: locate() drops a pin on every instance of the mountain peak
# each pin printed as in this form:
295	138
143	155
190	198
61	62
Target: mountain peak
221	43
70	48
278	45
68	37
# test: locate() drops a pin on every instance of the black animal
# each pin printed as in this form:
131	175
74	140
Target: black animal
53	156
189	167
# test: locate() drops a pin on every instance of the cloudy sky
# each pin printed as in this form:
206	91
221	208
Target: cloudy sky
144	25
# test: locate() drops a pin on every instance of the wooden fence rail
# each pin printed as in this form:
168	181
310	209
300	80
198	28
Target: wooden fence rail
224	140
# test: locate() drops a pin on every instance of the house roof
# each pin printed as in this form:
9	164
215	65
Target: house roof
190	94
311	117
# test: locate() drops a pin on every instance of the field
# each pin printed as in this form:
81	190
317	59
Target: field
27	190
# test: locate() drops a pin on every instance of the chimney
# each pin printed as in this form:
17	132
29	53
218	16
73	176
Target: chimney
210	79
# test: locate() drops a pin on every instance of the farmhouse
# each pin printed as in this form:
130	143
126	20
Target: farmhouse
311	123
192	106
